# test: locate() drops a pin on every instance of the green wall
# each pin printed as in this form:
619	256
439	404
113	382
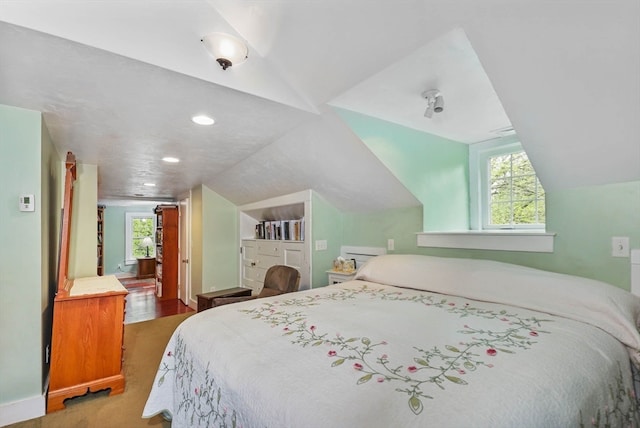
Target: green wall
215	248
327	224
28	165
434	169
220	243
584	220
84	239
115	234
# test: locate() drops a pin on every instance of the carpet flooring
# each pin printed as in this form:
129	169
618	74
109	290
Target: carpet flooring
144	344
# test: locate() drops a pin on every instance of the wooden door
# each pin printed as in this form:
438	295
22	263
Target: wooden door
184	287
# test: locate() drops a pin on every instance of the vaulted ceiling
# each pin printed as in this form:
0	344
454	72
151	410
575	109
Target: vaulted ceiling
118	82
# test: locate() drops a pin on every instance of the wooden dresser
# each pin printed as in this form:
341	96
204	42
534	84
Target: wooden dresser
88	334
88	324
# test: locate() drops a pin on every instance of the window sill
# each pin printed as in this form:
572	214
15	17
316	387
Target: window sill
508	240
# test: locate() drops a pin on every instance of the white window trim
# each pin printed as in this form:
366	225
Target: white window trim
129	216
529	238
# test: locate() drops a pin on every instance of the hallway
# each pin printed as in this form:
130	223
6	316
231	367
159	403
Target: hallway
143	305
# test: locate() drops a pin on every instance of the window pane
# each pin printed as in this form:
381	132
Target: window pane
501	190
524	187
524	212
142	227
541	211
501	213
500	167
516	195
521	164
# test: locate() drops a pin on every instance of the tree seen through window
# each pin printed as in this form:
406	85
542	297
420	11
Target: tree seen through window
516	195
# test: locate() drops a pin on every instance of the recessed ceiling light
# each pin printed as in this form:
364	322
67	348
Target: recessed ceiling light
150	184
203	120
170	159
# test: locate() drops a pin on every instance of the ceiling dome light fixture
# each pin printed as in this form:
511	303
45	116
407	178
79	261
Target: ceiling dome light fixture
226	49
203	120
435	102
170	159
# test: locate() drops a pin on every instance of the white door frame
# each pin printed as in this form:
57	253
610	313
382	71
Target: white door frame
184	245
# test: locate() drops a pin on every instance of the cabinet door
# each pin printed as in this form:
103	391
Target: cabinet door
293	254
248	264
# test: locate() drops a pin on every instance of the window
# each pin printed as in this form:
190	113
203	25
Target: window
137	227
510	195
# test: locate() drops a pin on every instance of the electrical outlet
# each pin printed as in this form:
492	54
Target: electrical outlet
620	246
391	245
321	245
119	266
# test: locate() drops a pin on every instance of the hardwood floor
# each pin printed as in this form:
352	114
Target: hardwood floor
143	305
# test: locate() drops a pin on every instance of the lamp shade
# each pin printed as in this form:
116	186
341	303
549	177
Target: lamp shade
226	49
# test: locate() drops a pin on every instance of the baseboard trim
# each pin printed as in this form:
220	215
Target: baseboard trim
23	410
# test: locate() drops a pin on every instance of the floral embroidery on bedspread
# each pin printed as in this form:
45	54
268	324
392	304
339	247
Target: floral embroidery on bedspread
622	409
200	399
437	366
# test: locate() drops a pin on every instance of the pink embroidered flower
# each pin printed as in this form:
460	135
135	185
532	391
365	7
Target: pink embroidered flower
465	326
412	369
357	366
169	354
332	353
491	352
384	342
490	366
312	328
451	304
196	391
462	371
286	329
504	319
380	379
533	333
384	357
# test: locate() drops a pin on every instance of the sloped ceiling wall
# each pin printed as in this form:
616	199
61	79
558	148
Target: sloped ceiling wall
565	72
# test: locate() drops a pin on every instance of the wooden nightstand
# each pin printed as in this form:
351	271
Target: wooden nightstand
146	267
205	299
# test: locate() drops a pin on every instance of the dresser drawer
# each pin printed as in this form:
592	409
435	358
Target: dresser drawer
269	248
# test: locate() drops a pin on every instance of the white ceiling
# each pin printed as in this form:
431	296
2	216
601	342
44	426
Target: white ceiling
118	81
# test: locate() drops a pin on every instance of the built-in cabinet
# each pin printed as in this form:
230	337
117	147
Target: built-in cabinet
100	240
260	254
167	251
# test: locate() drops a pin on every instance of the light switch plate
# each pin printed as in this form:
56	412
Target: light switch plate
620	246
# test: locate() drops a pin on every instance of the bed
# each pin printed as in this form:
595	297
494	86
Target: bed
411	341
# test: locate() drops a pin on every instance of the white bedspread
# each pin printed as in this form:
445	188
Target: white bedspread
365	354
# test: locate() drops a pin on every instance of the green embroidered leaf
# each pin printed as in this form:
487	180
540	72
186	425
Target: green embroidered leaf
505	350
337	362
415	405
364	379
366	341
518	337
353	339
452	348
318	343
455	380
161	381
421	361
469	365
